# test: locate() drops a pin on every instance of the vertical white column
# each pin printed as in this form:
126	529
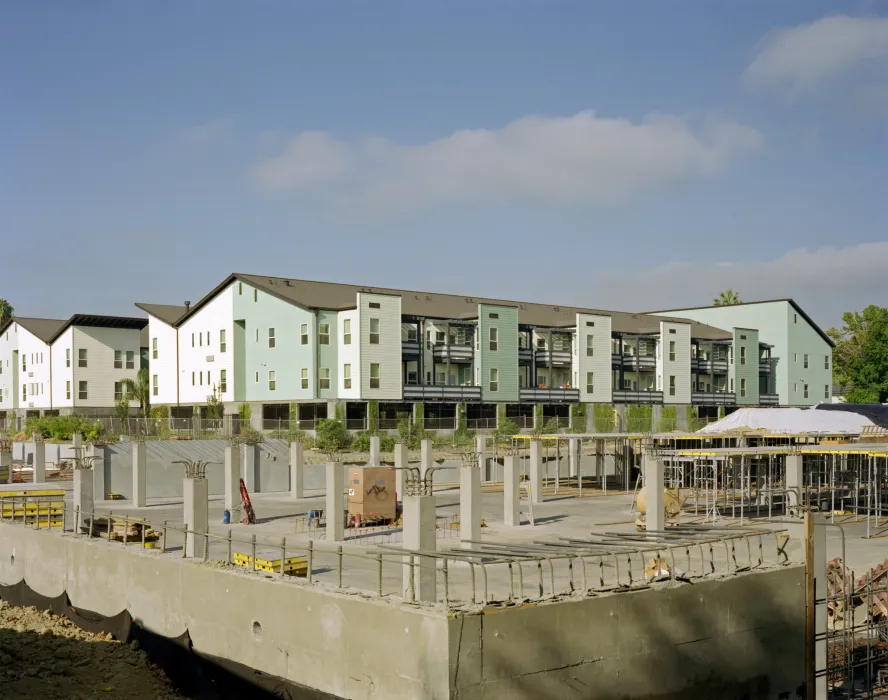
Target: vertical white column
39	462
231	475
425	458
469	505
374	451
820	611
83	493
511	492
536	471
140	474
655	515
76	440
795	481
250	467
297	470
480	445
401	461
419	534
100	490
196	506
574	456
335	502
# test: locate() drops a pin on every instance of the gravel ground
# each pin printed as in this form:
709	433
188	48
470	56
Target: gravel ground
46	657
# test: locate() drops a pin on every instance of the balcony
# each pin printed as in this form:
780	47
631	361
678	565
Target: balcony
769	399
525	356
549	395
616	360
637	396
453	353
709	366
713	398
764	367
409	348
559	358
442	393
640	362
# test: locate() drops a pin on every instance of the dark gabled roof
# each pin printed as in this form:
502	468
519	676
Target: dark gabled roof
93	321
43	328
791	302
165	312
339	297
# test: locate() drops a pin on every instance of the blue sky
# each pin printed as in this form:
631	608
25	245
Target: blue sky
634	155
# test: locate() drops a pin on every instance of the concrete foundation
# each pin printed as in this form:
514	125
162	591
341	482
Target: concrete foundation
419	533
536	471
469	505
297	470
231	473
511	491
39	464
335	508
655	517
196	515
140	474
401	462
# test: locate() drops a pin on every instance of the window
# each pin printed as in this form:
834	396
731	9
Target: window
795	318
153	349
24	362
494	379
200	339
411	377
130	359
440	337
732	384
590	382
672	351
324	378
590	345
81	357
590	324
68	390
671	385
118	359
223	346
324	334
240	288
742	354
477	341
303	334
304	378
374	305
271	381
68	354
200	377
805	361
257	335
795	387
24	392
271	337
374	375
192	340
494	339
541	343
346	376
672	330
209	382
347	332
492	315
742	386
440	378
154	385
731	354
255	295
826	391
257	377
193	380
826	362
795	357
82	390
374	331
223	381
118	391
806	391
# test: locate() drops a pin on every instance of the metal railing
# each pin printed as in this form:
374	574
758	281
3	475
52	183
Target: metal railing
442	393
637	396
713	398
549	394
481	423
769	399
435	423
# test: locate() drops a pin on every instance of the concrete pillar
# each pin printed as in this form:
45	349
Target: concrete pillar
140	474
536	471
374	451
83	493
39	462
480	445
820	611
419	534
511	491
251	467
100	491
77	440
231	474
469	505
425	459
196	515
655	516
335	509
795	480
401	462
599	458
297	470
573	451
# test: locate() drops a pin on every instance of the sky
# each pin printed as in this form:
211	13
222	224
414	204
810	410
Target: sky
633	155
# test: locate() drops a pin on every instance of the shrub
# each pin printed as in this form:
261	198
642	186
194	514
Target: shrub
361	441
603	417
639	419
506	427
332	437
245	411
578	418
668	419
62	428
694	422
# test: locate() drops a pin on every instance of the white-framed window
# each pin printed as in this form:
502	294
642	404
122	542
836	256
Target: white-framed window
303	334
153	349
324	378
223	345
731	355
826	391
255	294
742	354
324	333
68	354
192	340
223	381
200	378
24	392
440	378
346	331
304	378
806	390
672	351
374	331
742	386
672	385
795	318
795	387
494	379
590	345
346	376
154	385
805	360
412	377
118	359
271	382
271	337
374	375
82	390
732	384
200	338
68	390
257	334
130	359
81	357
209	381
193	379
118	391
240	288
494	338
795	357
590	382
257	377
826	362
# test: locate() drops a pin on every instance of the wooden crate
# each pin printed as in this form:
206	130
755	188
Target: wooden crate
371	492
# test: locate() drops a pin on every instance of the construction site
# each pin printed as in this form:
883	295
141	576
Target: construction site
733	564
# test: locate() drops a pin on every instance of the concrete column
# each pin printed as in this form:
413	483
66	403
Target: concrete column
480	445
140	474
795	481
5	467
100	491
419	534
425	459
655	516
196	515
511	491
231	474
573	451
77	440
374	451
250	468
39	462
297	470
335	509
820	611
536	471
599	458
401	461
83	493
469	505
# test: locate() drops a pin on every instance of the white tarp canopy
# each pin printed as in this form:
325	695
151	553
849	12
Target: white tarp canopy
781	421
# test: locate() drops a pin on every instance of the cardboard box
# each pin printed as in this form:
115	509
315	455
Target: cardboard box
371	492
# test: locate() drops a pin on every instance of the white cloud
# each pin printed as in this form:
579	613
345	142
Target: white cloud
824	281
583	157
208	133
801	58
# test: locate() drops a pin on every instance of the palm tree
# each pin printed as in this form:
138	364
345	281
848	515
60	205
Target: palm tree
139	390
6	311
727	298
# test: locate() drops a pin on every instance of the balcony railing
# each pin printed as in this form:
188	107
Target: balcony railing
642	362
637	396
769	399
554	395
525	355
764	367
409	348
355	423
524	422
709	366
559	357
481	423
442	393
439	423
713	398
454	353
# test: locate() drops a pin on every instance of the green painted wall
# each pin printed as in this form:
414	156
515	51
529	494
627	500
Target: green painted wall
504	358
328	355
748	339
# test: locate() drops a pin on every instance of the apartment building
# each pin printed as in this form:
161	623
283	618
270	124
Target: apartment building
275	342
51	366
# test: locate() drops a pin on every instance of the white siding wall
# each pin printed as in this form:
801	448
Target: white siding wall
599	363
349	354
8	344
36	376
388	352
100	373
164	367
680	368
206	358
63	370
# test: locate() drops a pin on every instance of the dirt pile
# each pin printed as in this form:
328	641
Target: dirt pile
46	657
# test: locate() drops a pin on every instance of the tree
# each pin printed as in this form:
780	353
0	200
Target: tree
727	298
139	390
860	358
6	311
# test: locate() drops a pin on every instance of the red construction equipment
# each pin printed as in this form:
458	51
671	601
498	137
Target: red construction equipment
249	515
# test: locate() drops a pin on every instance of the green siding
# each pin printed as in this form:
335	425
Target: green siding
328	355
504	358
748	339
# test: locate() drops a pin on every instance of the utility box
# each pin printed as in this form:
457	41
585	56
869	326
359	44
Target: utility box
371	492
